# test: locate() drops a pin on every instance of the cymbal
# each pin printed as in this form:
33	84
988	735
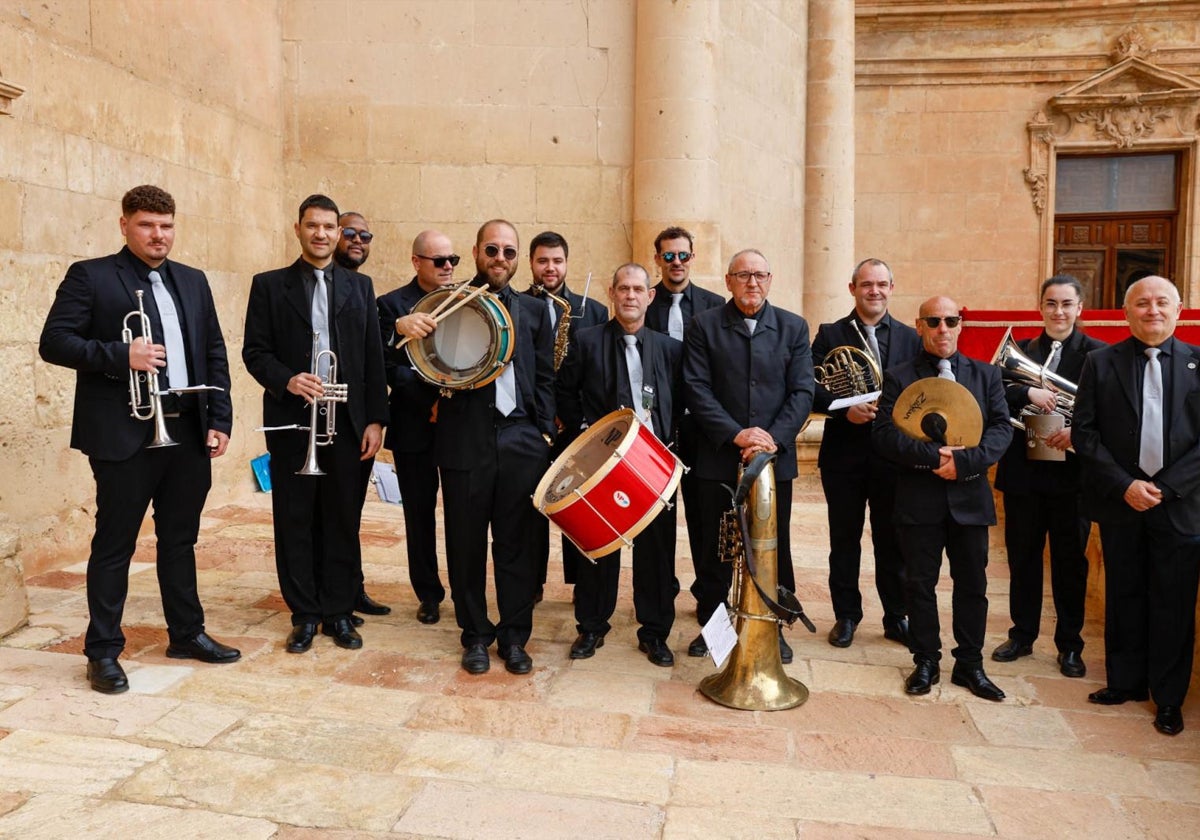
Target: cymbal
932	407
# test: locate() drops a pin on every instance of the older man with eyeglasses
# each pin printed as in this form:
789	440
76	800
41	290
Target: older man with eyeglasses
944	503
748	381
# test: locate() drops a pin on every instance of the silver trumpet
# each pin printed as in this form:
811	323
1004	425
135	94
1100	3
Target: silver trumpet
151	408
332	392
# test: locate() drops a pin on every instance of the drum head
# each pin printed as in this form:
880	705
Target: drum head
461	344
585	458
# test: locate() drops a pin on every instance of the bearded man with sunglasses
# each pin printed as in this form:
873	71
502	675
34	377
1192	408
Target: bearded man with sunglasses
944	503
409	435
676	301
492	447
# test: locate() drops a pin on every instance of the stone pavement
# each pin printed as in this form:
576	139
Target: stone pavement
396	741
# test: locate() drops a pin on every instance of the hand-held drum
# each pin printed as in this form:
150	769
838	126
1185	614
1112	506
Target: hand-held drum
609	484
471	344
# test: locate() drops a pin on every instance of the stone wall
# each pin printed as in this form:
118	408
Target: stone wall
118	94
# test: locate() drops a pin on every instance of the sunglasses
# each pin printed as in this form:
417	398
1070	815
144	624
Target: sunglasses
440	262
510	253
933	321
671	256
364	236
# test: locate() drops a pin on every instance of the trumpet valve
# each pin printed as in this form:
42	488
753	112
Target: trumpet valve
336	392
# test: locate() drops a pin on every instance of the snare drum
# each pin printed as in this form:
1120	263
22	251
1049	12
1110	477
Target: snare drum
609	484
470	346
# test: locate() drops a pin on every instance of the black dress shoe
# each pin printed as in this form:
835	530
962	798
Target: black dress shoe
1070	663
785	650
516	660
475	659
924	677
1115	696
657	652
205	648
973	678
343	633
367	605
108	677
1169	720
896	631
585	644
301	637
357	620
842	633
429	612
1011	650
698	647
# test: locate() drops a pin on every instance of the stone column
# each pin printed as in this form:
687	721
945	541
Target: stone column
676	177
829	170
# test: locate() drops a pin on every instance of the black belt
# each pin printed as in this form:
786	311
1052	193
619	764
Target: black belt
179	405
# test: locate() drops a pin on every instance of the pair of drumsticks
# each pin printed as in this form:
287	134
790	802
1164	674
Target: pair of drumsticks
441	312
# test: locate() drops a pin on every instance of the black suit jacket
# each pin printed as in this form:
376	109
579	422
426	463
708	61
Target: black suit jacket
1106	432
412	398
1017	473
659	311
279	338
467	419
923	498
733	381
83	331
593	378
591	315
846	446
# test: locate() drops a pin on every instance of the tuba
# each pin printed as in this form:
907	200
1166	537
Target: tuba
333	392
563	331
753	678
1018	368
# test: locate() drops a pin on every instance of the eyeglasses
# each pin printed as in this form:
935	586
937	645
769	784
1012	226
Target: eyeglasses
1057	306
761	277
933	321
671	256
364	236
510	253
440	262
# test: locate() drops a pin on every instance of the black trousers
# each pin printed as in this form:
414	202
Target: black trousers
847	497
1028	521
966	548
318	557
714	577
176	480
496	493
418	477
1151	574
688	438
653	583
539	538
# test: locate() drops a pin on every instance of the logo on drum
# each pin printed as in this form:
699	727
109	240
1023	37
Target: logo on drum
621	498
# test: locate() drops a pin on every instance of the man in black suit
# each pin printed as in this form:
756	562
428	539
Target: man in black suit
748	377
1137	431
83	331
410	433
353	248
317	551
944	503
492	447
595	380
676	300
548	253
853	475
1041	498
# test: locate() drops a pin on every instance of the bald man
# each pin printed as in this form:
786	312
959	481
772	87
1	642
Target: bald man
410	433
944	503
1137	432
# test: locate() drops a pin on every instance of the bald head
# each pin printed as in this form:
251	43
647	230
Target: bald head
940	339
1152	307
430	248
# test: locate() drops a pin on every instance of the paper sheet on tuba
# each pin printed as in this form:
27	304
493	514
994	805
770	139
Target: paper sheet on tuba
857	399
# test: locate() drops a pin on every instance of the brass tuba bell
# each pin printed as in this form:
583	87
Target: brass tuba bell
753	678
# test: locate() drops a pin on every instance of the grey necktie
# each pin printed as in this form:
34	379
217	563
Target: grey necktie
553	312
751	323
1150	455
869	329
944	371
1055	358
675	316
506	391
633	361
177	375
320	320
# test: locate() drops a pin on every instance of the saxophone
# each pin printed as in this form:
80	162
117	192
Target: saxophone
563	335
